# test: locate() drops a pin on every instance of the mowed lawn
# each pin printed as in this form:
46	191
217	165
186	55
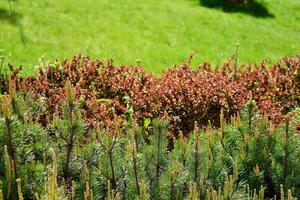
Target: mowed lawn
160	33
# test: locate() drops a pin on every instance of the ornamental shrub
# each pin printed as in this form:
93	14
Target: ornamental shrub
186	95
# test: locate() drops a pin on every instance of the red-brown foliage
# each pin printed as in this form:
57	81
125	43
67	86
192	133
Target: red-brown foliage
185	94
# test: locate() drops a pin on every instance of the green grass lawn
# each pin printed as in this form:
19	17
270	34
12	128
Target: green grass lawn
159	32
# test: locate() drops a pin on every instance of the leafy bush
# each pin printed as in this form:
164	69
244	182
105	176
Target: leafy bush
185	94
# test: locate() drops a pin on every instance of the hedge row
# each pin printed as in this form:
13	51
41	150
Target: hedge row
182	94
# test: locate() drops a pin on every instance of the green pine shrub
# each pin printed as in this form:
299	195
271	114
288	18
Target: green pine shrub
246	157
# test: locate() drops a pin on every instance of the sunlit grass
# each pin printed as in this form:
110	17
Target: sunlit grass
160	33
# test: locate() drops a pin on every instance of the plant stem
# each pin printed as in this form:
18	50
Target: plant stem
113	178
158	156
70	143
10	146
286	148
135	171
171	189
250	113
196	161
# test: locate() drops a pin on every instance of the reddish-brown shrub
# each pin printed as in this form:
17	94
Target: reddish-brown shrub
185	94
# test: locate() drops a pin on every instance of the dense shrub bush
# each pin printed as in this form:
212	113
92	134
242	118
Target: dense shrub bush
186	95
